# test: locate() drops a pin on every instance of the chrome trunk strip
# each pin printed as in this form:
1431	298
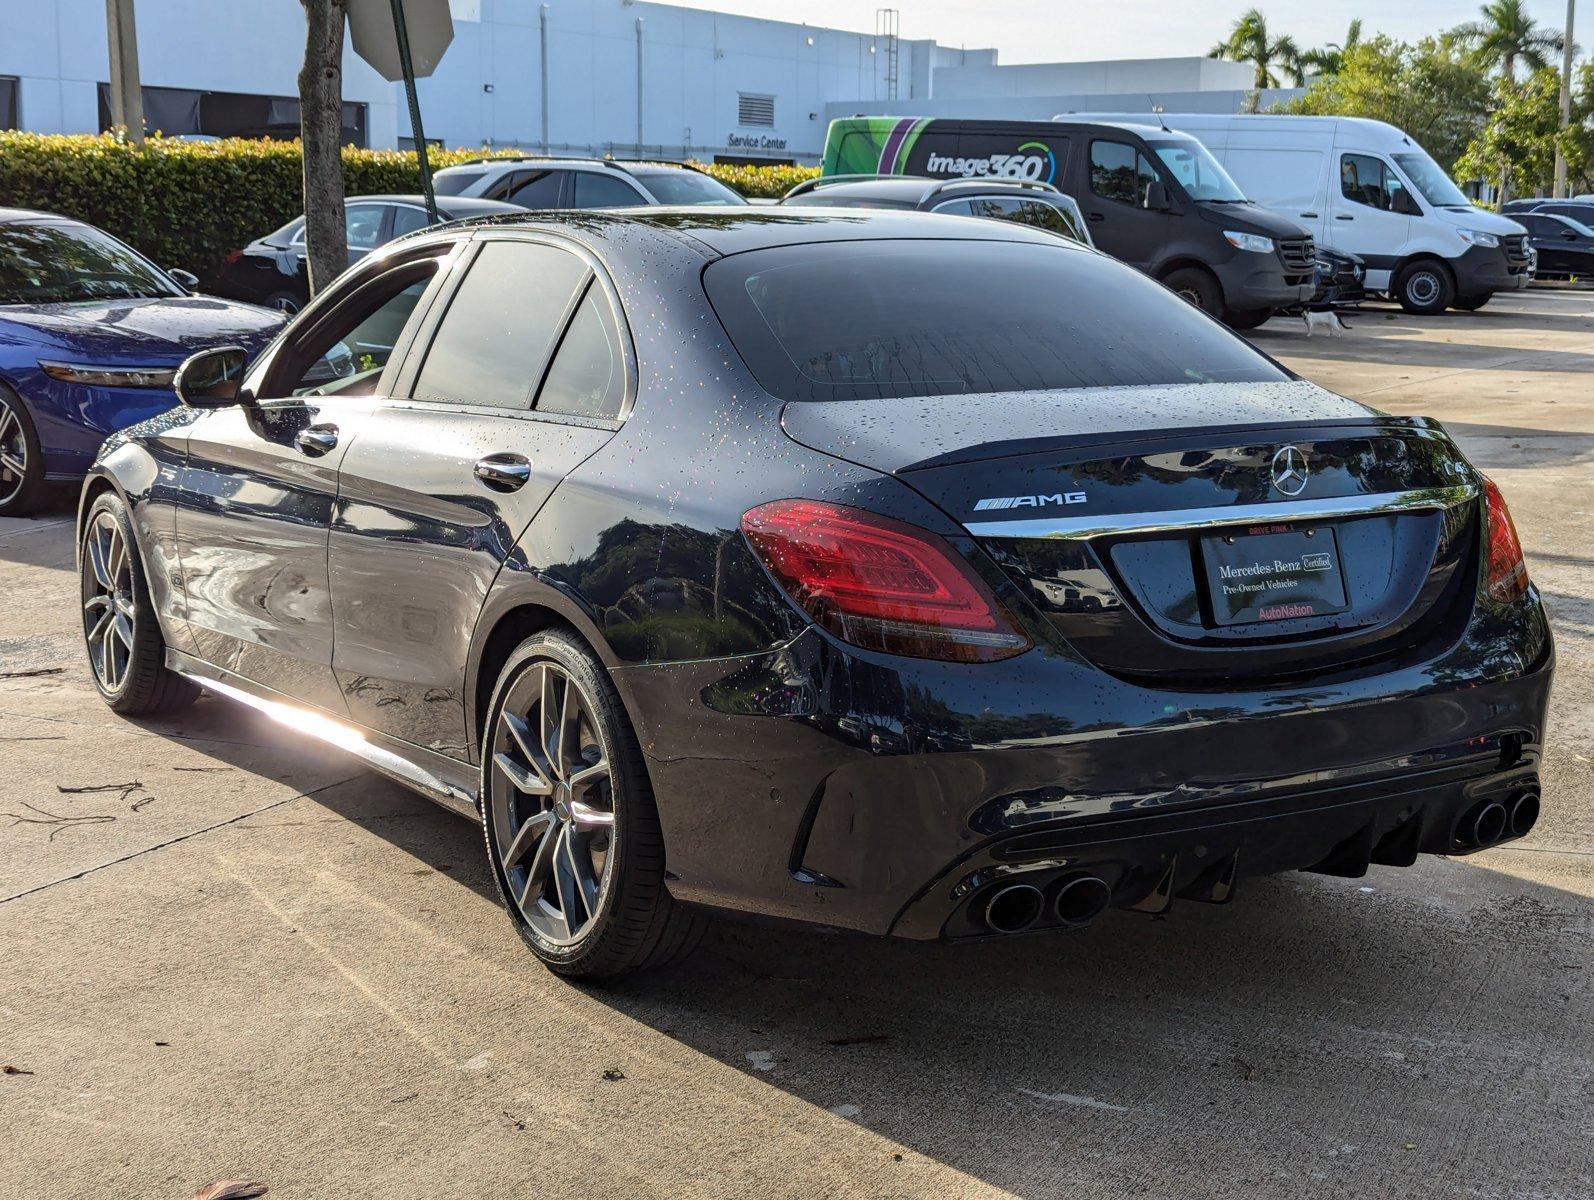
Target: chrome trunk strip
1230	514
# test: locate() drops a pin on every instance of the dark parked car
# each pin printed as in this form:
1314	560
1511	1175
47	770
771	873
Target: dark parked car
1037	204
91	333
273	270
1341	282
838	566
1565	246
1582	210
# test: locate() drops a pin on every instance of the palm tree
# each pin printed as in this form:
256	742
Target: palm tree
1329	60
1249	42
1507	33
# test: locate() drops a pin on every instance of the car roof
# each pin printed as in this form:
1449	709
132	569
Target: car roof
624	166
31	215
716	232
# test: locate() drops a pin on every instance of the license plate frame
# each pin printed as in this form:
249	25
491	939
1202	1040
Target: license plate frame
1271	573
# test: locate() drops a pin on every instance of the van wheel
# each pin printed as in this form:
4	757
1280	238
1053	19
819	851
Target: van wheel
1247	318
1425	288
1472	303
1198	287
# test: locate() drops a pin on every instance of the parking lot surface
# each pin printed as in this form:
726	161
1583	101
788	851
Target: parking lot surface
229	954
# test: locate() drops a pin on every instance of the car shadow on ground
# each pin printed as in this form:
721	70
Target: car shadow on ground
1035	1063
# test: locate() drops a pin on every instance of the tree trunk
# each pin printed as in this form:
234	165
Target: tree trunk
1509	69
321	131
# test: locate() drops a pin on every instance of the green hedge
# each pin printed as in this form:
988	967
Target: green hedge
187	204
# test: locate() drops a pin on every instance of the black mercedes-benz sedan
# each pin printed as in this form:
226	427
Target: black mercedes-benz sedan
893	572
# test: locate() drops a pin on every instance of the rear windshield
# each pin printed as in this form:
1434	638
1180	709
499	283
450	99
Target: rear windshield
454	183
686	187
869	320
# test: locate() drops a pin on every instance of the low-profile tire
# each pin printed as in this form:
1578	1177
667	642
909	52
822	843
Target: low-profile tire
1247	318
572	831
1425	288
22	484
1199	287
1472	303
127	654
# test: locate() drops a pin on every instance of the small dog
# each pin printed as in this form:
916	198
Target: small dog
1328	323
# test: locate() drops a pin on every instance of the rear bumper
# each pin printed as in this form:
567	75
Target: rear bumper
886	795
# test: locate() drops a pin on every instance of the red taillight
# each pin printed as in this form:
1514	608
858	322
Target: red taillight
233	256
880	583
1505	573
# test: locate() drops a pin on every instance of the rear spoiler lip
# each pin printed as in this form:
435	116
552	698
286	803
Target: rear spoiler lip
1138	440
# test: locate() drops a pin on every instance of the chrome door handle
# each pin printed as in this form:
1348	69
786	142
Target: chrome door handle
504	472
317	439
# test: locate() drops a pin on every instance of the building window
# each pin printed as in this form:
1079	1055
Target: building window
184	112
754	110
9	116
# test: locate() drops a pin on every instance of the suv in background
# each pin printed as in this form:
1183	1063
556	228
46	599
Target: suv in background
1030	203
537	182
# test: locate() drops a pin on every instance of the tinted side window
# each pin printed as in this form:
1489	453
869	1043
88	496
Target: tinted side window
587	378
1118	172
501	325
347	355
1368	180
408	220
535	189
603	191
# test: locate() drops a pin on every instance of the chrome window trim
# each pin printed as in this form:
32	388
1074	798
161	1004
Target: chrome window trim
1231	514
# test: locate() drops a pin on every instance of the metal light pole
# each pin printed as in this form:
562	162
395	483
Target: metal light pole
127	96
402	34
1566	97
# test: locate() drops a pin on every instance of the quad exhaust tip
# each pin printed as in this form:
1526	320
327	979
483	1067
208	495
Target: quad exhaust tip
1014	908
1080	900
1487	824
1524	812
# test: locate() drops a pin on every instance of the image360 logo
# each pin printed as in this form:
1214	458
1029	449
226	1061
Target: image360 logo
1033	161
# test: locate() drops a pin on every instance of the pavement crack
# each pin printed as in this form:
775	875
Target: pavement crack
182	837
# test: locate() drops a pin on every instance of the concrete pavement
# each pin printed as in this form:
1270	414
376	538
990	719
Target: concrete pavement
262	962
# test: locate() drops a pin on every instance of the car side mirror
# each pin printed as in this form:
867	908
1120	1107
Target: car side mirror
1405	205
186	279
1569	234
1157	195
211	378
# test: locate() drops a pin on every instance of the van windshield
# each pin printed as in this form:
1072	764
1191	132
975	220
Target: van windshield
1429	178
1197	171
864	320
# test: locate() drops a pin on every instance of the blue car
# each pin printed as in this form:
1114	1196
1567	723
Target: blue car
91	333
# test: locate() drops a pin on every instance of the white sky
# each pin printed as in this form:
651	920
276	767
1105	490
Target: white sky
1074	30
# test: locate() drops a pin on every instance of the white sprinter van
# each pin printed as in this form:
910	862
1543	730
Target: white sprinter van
1366	188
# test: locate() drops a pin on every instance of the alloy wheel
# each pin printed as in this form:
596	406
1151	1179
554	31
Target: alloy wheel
107	601
13	453
551	803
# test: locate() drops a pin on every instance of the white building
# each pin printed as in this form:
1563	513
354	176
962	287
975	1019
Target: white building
567	76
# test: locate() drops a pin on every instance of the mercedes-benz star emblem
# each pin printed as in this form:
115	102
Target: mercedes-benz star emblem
1290	471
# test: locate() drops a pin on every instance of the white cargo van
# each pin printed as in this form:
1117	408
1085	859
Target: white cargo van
1367	188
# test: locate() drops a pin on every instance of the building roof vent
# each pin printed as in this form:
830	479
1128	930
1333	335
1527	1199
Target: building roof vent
755	110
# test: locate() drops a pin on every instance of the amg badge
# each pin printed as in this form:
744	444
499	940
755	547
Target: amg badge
993	502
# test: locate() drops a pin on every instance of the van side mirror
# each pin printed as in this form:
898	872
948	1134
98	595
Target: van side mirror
1157	195
211	378
1405	205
